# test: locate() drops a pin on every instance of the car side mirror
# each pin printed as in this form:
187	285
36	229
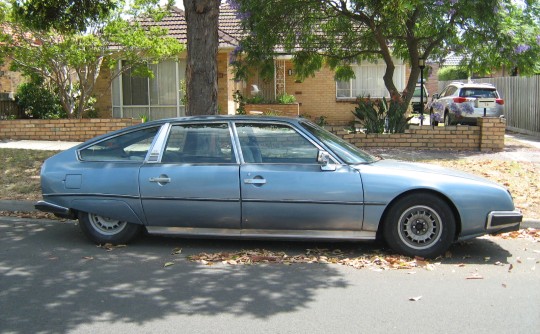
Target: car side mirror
325	161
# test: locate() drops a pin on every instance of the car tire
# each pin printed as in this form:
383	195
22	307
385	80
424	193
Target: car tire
420	224
103	230
447	119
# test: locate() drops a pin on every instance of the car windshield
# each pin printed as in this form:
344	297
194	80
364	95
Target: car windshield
343	149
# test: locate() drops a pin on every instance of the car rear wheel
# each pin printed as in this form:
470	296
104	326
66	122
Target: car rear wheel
420	225
103	230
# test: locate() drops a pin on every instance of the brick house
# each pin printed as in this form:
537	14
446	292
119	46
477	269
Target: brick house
161	97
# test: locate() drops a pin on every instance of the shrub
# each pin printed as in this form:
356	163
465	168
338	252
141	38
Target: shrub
380	115
452	73
286	98
36	101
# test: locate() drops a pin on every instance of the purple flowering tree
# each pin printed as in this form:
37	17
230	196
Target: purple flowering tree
338	33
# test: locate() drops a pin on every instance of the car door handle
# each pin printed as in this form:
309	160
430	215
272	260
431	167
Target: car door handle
254	181
160	179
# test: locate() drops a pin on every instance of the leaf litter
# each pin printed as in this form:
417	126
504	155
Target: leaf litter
377	262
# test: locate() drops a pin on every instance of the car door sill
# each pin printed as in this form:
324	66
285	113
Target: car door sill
263	234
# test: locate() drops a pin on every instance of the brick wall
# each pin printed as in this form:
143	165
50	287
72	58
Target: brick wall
61	129
487	136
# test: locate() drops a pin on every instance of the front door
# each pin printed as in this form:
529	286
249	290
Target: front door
284	188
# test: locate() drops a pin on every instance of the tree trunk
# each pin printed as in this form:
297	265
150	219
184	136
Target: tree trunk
202	47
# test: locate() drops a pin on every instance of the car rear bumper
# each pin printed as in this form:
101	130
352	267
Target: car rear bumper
57	210
503	221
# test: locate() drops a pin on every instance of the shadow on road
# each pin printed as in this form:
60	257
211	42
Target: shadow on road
52	270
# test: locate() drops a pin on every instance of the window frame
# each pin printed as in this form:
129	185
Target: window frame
80	155
270	123
119	109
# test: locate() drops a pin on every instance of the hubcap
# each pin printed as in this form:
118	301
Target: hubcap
106	225
420	227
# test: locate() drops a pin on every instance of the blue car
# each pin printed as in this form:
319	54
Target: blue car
265	177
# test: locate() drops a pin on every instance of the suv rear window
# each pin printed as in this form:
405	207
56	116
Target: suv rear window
478	92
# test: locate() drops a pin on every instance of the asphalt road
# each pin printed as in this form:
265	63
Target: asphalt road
53	281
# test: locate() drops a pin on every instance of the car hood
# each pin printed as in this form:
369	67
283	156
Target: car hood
425	169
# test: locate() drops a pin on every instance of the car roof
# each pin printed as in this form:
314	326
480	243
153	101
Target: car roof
205	118
472	85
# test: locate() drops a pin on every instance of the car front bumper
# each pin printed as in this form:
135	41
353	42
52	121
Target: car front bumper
503	221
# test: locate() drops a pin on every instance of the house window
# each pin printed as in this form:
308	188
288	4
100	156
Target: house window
368	81
157	97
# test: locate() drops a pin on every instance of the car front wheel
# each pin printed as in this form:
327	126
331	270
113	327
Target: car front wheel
420	225
104	230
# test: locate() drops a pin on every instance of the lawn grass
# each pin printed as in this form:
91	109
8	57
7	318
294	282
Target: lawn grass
19	177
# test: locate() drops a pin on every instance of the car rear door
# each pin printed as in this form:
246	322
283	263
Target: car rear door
196	181
284	188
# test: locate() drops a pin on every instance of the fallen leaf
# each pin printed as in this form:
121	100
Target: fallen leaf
510	267
415	299
504	285
475	276
176	251
88	257
168	264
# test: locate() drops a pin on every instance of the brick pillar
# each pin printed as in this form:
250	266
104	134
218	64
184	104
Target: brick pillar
492	133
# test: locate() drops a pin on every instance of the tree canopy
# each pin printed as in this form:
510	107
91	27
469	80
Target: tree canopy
72	61
339	33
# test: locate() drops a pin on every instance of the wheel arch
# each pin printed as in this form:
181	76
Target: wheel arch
443	197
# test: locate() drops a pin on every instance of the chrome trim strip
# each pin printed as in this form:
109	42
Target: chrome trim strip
252	233
298	201
515	216
198	199
91	195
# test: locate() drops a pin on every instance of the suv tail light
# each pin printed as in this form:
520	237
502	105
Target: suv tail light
460	99
499	101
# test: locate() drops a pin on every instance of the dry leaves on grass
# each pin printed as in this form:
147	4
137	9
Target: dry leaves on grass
377	262
521	178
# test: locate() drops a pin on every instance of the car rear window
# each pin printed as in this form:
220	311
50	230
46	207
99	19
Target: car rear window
478	92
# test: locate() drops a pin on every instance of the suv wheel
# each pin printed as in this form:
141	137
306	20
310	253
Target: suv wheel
447	119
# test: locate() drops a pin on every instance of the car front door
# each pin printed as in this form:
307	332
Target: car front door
196	182
284	187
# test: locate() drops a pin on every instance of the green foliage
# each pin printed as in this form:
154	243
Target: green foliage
381	115
72	61
62	15
239	98
452	73
286	98
395	111
37	101
371	114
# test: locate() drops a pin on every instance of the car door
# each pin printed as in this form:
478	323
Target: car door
196	182
284	188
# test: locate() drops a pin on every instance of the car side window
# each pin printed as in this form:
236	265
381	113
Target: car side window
449	91
274	143
199	143
131	146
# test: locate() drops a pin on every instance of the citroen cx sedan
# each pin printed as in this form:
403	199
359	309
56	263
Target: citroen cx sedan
264	177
